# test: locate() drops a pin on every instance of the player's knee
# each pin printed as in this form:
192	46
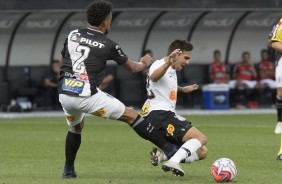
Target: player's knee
202	152
279	92
78	128
129	115
203	140
279	98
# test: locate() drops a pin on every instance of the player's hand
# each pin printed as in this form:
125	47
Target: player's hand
147	60
189	89
174	56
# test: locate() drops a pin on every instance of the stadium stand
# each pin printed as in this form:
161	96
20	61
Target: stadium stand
252	35
32	39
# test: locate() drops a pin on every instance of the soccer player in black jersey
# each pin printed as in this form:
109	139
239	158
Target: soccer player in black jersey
84	58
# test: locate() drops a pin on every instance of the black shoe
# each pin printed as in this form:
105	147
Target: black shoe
69	172
279	157
157	156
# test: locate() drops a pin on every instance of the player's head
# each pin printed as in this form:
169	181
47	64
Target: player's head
55	66
184	58
148	51
217	55
264	54
246	56
99	14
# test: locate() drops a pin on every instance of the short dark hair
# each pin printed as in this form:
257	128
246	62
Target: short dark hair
97	12
216	52
148	51
245	53
183	45
264	50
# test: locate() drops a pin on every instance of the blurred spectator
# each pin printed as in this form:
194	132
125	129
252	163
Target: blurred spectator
244	83
50	81
218	71
266	71
148	51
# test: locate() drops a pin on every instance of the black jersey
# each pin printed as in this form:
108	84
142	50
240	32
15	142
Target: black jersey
86	52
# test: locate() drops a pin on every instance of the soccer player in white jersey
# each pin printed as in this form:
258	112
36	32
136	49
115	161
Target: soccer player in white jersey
159	109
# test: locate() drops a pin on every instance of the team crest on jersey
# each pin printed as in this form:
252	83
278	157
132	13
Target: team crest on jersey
101	112
75	37
70	118
170	129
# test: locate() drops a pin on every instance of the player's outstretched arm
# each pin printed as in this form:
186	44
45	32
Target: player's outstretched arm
159	73
133	66
188	89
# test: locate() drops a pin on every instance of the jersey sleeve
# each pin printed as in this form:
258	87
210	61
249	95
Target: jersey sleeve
63	52
117	54
154	66
276	33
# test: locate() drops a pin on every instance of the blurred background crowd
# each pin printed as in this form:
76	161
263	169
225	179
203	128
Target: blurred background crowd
230	41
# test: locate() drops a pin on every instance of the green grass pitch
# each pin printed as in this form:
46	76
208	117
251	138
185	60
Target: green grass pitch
32	151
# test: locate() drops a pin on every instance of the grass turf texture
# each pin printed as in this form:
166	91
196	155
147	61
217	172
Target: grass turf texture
32	151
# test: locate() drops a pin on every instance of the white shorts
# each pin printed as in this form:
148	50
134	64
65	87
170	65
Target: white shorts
278	73
251	84
268	82
101	104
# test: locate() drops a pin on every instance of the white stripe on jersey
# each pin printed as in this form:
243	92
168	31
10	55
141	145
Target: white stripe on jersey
164	90
75	56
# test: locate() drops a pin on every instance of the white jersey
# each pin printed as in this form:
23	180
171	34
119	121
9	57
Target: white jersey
162	94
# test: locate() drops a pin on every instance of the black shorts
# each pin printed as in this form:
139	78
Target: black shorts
167	123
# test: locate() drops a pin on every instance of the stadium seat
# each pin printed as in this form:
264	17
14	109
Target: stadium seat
130	92
130	87
21	83
1	74
123	74
4	95
194	74
36	74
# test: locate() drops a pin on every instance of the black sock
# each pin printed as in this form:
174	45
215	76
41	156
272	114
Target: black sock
72	145
148	131
169	149
279	108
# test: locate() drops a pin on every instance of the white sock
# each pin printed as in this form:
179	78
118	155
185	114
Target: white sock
192	158
186	150
165	157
